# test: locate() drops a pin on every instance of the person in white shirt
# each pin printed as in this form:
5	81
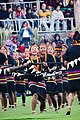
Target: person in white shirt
25	34
57	19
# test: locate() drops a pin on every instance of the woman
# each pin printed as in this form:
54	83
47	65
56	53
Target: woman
25	34
51	80
20	82
10	79
36	84
3	82
72	60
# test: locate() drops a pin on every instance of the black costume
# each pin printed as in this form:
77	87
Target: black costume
73	57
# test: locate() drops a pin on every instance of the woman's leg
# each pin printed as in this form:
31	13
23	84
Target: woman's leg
34	102
70	100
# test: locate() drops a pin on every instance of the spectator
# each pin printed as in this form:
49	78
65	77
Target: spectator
69	41
10	13
21	3
3	12
3	15
58	19
57	40
53	44
71	4
19	12
50	2
11	45
45	39
49	8
25	34
61	6
69	12
34	11
31	15
44	13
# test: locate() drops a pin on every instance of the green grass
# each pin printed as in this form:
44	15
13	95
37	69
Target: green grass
24	113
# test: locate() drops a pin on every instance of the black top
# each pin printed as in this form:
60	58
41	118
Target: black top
11	61
49	58
2	59
72	54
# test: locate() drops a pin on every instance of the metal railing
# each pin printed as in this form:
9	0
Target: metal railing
9	26
42	25
24	4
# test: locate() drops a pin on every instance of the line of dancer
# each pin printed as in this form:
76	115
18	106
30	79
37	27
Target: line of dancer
51	74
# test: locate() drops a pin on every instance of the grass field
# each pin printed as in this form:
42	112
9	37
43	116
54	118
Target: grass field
24	113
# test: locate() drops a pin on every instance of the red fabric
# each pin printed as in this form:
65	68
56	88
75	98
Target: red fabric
21	48
19	13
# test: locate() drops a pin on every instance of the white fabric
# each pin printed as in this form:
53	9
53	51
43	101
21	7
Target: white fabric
26	33
56	15
72	63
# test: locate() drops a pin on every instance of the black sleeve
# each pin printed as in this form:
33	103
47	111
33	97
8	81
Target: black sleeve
2	59
50	59
11	61
66	55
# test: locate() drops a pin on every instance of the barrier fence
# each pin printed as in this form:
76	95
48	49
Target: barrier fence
42	26
23	4
47	25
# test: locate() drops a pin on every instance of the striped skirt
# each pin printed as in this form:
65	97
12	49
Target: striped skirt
74	80
3	84
38	88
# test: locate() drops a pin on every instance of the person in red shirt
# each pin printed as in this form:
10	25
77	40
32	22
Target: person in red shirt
19	12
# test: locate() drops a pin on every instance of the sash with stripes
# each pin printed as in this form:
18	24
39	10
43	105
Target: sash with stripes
74	75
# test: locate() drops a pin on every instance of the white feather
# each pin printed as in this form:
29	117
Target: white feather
75	61
32	67
0	71
33	71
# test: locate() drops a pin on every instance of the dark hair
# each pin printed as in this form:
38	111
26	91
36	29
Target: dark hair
57	5
23	24
18	6
29	8
3	46
76	36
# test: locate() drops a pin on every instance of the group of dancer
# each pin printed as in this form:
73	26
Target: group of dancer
49	73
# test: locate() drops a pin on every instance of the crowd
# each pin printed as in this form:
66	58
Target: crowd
49	72
23	41
56	13
49	69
